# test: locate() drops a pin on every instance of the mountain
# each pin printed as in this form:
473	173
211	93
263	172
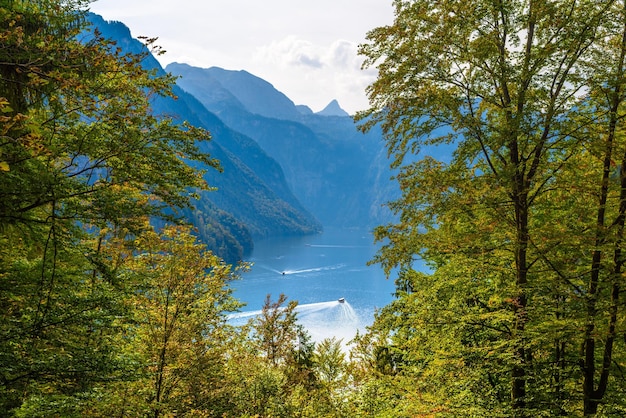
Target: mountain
304	109
337	172
253	199
287	170
251	93
333	109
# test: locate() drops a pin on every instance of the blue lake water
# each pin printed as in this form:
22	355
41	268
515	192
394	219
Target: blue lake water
317	271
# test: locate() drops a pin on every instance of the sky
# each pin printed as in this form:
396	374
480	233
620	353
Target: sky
307	49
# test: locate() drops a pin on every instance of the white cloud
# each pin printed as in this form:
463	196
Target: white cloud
314	73
288	52
307	50
343	55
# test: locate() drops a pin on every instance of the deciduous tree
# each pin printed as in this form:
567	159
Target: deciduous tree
519	280
80	152
178	293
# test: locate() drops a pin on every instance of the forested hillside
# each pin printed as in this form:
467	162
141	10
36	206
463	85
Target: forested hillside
252	199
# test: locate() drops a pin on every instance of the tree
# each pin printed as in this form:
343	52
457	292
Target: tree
604	310
80	154
332	371
178	292
330	362
279	379
514	88
276	330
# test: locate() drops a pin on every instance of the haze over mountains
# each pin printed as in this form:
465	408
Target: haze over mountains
287	170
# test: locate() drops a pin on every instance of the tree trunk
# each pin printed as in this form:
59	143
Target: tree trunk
592	395
520	200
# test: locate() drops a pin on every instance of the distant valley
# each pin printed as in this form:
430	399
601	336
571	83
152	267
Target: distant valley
286	170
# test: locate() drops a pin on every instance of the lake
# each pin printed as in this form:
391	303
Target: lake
317	271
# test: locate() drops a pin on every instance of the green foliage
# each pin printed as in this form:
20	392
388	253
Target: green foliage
276	330
522	229
177	292
103	314
80	155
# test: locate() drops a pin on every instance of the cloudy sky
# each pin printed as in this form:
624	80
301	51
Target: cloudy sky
305	48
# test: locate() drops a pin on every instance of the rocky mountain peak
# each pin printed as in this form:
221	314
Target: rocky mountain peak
333	109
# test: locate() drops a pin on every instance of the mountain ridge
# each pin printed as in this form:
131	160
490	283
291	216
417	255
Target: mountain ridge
287	170
328	163
250	202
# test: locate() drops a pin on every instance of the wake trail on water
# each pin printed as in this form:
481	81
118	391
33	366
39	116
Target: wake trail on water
300	271
346	311
322	320
314	269
271	269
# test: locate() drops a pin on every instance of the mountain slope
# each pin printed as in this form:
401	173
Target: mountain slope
253	199
332	168
255	94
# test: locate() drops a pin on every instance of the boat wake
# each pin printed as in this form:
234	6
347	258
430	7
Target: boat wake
313	270
322	320
339	310
336	246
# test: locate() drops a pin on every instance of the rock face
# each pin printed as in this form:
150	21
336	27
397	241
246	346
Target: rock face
304	109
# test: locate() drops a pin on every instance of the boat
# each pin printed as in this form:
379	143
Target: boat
342	300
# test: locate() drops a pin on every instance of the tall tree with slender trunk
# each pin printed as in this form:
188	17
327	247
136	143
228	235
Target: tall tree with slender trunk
512	89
